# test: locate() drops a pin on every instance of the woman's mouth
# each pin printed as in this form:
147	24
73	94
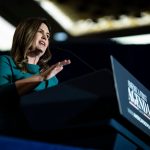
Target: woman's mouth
42	43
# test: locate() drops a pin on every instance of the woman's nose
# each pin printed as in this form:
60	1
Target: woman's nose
43	36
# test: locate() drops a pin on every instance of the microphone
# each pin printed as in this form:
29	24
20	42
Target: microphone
76	56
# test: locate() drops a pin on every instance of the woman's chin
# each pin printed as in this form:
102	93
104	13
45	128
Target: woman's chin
40	49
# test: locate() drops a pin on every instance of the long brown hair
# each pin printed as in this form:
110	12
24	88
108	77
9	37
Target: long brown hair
23	37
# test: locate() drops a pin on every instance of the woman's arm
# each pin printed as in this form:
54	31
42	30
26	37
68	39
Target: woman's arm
26	85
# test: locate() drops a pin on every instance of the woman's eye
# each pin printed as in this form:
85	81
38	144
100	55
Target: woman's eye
40	31
48	36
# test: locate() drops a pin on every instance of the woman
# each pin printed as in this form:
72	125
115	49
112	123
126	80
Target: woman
27	66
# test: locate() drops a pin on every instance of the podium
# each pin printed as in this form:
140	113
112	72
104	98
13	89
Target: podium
84	112
82	100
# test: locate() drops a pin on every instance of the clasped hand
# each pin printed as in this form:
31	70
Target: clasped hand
54	69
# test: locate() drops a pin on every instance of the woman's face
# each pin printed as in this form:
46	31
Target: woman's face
41	40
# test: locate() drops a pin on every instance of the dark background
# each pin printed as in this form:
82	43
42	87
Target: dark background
88	54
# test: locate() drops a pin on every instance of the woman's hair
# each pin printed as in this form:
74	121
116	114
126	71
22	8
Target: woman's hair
22	40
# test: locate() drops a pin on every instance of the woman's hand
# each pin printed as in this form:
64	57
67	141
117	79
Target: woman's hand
25	85
54	69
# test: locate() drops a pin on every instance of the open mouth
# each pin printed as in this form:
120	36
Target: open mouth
42	43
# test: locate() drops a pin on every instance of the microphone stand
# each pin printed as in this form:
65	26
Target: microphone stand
76	56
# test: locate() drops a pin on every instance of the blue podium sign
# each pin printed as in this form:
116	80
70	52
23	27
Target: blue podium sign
133	98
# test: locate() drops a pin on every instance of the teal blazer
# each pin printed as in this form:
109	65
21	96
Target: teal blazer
9	73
